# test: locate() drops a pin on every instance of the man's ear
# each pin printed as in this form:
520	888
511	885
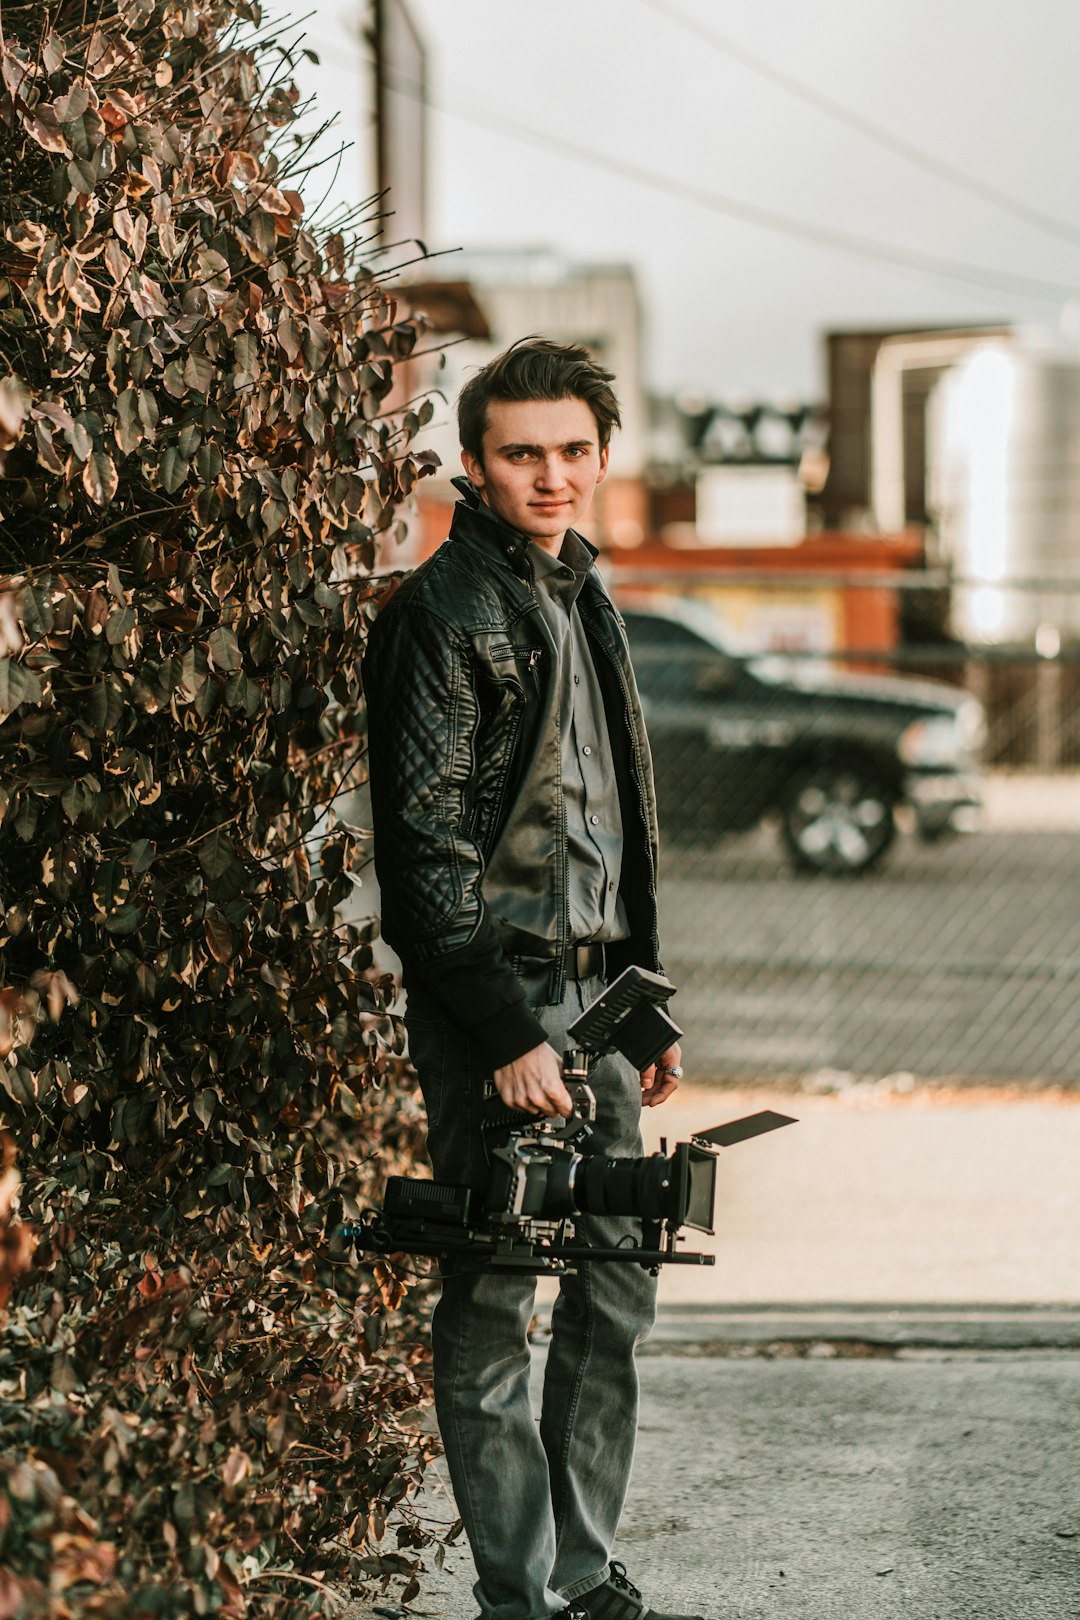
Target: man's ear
474	469
602	474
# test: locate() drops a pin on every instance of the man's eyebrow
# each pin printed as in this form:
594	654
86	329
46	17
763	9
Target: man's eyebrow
570	444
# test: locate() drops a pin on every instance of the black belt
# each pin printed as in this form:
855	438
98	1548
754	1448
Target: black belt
584	962
578	962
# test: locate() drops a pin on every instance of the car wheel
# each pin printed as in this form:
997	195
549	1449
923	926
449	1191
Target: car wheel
837	818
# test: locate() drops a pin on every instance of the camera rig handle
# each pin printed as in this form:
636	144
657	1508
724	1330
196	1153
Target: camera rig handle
577	1127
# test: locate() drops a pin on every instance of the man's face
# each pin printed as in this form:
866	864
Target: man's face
542	460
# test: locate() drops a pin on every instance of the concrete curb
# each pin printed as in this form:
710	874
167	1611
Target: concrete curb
742	1329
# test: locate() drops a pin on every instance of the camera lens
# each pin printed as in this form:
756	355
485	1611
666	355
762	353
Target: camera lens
648	1187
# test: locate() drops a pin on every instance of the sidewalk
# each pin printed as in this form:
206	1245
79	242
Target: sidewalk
881	1195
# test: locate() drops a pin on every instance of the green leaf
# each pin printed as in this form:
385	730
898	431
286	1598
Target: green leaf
216	853
140	857
208	462
173	470
194	673
199	371
189	439
205	1106
125	919
17	685
77	798
19	1083
120	623
224	652
148	409
35	611
145	982
104	706
82	175
206	699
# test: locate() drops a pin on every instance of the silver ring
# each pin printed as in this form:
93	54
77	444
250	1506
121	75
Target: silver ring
676	1073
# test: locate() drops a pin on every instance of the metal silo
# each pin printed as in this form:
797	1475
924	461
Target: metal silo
1005	477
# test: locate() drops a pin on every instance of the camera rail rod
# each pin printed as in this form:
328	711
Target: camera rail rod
527	1258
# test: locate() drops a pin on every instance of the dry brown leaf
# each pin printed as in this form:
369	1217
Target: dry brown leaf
56	990
147	297
27	235
100	478
14	406
219	940
82	293
268	197
117	262
43	128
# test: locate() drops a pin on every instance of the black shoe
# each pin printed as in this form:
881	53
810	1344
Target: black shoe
617	1598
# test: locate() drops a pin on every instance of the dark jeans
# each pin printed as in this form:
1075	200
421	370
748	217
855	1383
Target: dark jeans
540	1504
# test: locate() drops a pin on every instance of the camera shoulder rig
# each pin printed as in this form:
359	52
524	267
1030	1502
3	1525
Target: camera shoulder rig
544	1172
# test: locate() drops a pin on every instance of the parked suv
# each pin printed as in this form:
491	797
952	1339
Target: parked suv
737	738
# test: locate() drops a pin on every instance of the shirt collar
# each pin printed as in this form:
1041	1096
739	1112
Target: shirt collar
576	552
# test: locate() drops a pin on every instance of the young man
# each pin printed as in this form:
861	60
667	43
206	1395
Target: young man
515	839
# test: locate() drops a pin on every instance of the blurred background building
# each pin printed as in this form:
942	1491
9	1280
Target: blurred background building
832	262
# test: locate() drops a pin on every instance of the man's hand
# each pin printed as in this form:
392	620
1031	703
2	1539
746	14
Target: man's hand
657	1081
534	1082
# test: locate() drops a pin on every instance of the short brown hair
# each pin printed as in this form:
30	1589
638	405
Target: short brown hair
536	368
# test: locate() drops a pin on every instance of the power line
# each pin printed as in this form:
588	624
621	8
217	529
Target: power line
1000	281
866	126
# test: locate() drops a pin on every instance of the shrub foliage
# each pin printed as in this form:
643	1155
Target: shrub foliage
202	1413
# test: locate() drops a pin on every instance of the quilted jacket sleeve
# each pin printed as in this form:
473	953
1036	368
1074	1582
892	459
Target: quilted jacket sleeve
423	717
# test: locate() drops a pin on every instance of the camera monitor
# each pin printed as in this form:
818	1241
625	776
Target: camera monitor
629	1017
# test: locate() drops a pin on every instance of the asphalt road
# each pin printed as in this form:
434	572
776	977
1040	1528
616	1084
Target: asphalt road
930	1483
959	960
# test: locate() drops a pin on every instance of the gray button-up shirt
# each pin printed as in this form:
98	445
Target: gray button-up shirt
594	833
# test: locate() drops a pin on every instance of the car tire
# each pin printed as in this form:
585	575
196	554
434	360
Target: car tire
838	818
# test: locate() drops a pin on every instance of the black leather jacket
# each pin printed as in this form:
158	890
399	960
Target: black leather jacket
459	678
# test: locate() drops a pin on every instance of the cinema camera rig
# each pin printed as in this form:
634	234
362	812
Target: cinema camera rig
544	1172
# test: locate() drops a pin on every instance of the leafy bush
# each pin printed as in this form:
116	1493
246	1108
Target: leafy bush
201	1411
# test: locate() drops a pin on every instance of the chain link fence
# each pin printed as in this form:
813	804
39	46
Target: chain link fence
865	874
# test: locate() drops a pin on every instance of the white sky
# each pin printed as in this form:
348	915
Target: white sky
733	308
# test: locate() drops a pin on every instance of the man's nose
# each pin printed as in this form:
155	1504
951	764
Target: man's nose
549	473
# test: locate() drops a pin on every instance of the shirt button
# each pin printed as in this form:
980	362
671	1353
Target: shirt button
586	749
577	680
595	820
